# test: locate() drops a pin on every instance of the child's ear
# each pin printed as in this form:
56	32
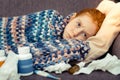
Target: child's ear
73	16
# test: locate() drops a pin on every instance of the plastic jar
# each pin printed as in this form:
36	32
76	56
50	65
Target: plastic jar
25	63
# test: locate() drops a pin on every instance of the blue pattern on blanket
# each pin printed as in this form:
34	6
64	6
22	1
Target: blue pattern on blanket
42	32
46	25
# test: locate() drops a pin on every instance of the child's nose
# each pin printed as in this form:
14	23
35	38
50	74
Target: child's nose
78	31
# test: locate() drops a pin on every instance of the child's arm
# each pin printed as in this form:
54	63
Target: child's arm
105	6
110	28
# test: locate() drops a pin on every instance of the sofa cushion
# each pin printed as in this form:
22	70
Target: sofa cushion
96	75
22	7
115	48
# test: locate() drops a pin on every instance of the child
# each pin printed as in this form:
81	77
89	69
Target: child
83	24
87	20
42	32
110	28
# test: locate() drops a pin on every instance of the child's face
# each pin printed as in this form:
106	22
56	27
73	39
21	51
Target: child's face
80	28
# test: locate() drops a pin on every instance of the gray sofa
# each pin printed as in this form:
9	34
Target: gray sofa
65	7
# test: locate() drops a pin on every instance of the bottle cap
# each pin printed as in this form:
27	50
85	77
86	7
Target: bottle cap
2	53
23	50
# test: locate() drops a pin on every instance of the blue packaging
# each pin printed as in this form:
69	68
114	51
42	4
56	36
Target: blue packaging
25	63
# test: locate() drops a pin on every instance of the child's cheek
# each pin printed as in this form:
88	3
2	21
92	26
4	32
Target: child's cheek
72	32
76	31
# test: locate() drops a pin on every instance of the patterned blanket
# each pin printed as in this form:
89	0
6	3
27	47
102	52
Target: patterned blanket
42	32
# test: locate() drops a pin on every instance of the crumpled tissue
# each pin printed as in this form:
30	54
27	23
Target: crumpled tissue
109	63
8	71
58	68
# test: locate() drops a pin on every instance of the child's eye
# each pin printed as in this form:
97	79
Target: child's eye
85	35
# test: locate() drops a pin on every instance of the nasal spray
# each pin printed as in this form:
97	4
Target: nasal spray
25	63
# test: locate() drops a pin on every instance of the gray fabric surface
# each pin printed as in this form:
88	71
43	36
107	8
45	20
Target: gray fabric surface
115	48
65	7
20	7
96	75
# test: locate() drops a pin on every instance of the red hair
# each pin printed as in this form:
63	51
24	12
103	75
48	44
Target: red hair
97	16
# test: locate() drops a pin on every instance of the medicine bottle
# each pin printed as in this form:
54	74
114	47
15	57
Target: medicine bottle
25	63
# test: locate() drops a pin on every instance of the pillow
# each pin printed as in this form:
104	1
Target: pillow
101	42
105	9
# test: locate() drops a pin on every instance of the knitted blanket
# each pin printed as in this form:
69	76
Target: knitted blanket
42	32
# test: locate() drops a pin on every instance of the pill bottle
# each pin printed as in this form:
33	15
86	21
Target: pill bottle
25	63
